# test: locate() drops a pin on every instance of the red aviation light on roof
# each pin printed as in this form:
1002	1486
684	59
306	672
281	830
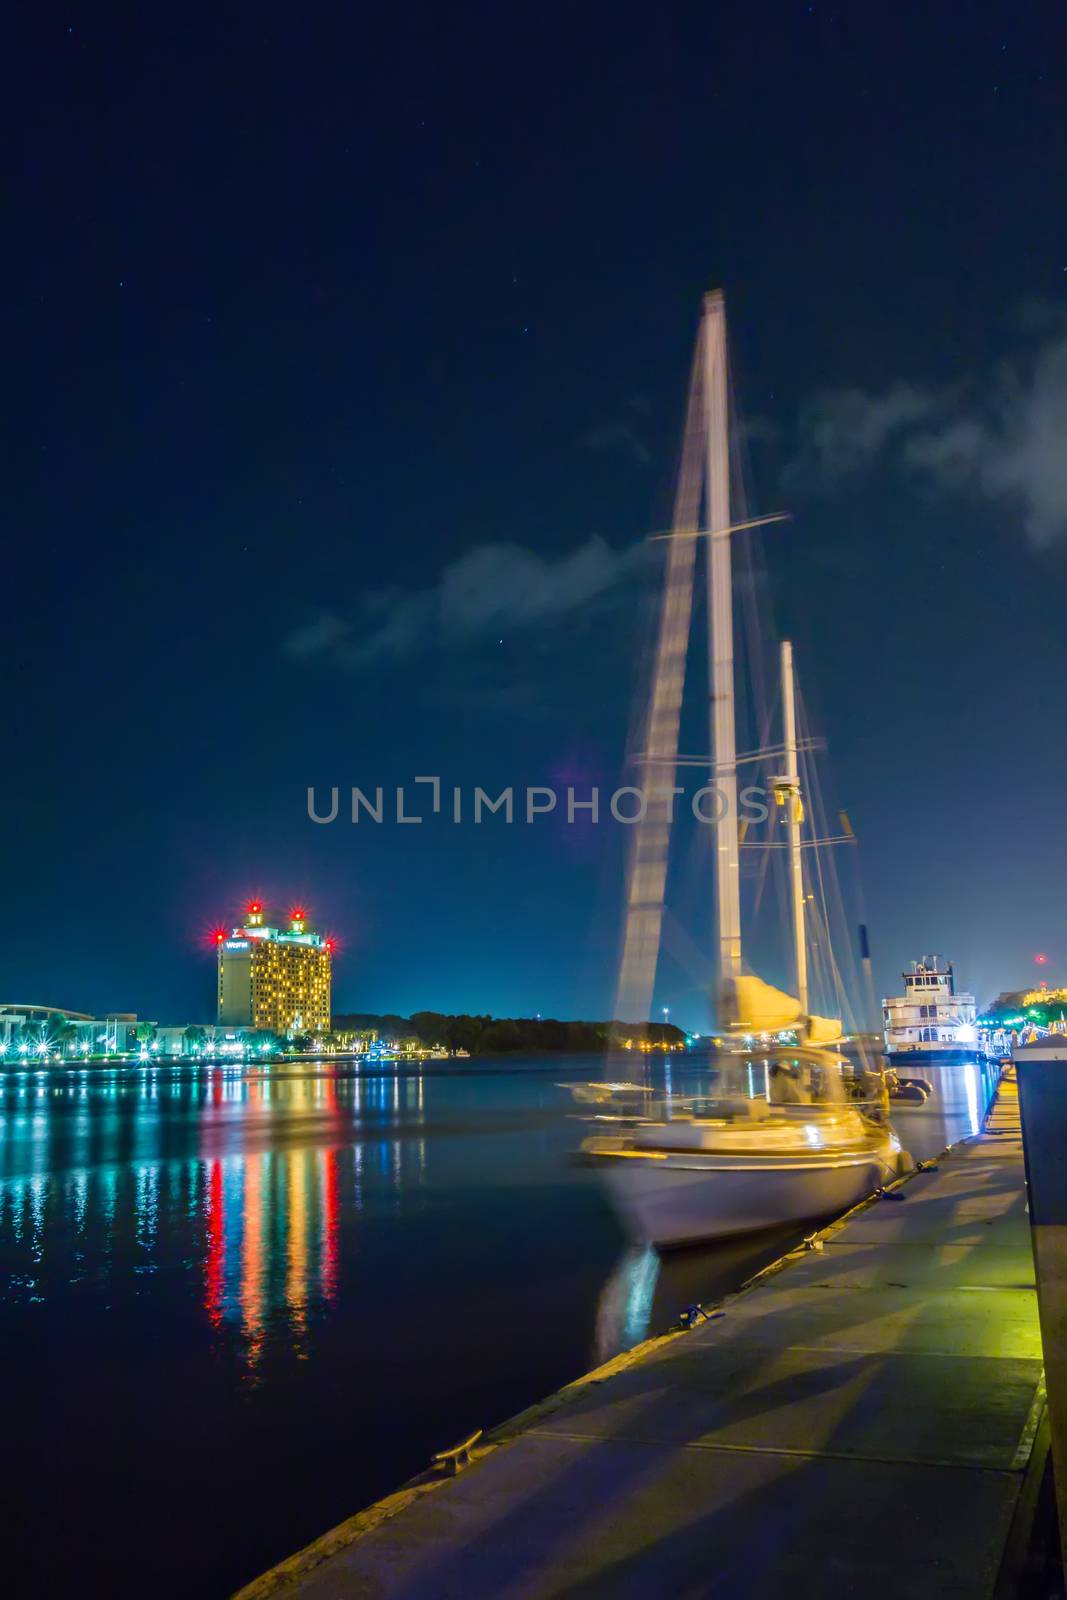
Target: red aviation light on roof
218	935
330	943
254	907
298	914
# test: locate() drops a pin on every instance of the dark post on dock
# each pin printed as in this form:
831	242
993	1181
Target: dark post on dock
1041	1069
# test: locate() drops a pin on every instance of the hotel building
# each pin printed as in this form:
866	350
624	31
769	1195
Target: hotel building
273	979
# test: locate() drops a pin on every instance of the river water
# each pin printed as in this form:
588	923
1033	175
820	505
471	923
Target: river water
237	1304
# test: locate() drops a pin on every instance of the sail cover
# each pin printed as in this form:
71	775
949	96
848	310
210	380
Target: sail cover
751	1006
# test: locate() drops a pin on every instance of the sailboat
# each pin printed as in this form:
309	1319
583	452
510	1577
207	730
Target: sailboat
816	1139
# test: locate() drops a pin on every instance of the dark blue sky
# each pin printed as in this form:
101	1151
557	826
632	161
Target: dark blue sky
334	338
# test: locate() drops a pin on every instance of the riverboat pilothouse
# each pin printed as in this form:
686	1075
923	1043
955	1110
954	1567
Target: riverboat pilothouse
931	1021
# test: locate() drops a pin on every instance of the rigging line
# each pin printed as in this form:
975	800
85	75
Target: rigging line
832	908
752	576
871	1008
762	686
765	861
820	906
816	911
805	844
830	975
746	759
720	533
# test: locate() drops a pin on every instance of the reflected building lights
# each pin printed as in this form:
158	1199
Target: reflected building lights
357	1175
95	1172
273	1236
79	1191
252	1291
16	1193
296	1287
147	1212
330	1211
215	1258
38	1195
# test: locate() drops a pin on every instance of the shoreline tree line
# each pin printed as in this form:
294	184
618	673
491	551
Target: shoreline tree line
489	1035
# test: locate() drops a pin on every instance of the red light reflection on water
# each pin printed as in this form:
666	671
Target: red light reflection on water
215	1265
273	1216
331	1208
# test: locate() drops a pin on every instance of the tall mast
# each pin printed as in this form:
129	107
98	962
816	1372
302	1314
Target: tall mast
790	785
721	639
650	839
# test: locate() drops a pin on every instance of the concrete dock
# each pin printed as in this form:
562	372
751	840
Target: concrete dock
867	1414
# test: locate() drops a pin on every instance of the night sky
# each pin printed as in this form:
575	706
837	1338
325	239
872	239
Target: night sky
347	352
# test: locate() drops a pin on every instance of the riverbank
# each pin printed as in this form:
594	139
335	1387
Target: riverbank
500	1059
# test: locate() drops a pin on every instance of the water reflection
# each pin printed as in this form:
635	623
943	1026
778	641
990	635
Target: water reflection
245	1177
970	1076
625	1309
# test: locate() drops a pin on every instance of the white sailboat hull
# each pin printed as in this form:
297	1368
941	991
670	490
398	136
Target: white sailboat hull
686	1200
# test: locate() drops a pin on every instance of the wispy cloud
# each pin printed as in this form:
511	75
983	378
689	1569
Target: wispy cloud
1003	439
326	633
617	435
623	434
493	589
843	431
1017	451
